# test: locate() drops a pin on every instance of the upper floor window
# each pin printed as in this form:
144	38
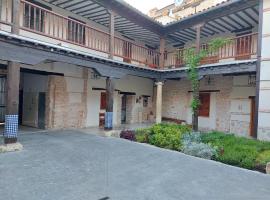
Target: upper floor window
76	31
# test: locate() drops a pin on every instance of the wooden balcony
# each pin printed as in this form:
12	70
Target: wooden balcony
238	48
43	24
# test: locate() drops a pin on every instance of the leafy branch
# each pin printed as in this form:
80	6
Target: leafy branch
192	59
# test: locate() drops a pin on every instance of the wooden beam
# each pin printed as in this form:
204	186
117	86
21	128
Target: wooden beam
15	16
13	82
110	87
12	109
111	27
161	51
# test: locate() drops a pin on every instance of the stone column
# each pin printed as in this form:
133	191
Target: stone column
110	87
263	74
12	109
159	102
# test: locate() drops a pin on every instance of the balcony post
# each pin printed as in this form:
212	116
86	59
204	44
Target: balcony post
196	93
111	27
110	87
159	85
161	51
15	16
12	109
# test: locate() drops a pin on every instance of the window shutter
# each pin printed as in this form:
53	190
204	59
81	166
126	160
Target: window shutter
204	109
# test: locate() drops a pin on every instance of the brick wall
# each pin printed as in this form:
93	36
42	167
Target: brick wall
61	112
176	103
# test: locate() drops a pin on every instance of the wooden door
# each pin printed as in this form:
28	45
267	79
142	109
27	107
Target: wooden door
252	116
102	108
41	110
124	109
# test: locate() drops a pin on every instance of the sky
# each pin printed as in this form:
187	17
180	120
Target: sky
146	5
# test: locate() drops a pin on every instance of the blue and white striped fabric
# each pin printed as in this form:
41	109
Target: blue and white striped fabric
11	126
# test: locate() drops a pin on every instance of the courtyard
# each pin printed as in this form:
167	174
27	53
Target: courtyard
74	165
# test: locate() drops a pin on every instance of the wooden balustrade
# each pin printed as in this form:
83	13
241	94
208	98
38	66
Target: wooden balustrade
133	52
44	22
238	48
5	12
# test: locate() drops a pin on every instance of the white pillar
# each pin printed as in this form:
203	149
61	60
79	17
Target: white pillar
263	79
159	102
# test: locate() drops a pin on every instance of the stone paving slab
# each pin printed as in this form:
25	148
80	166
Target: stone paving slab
70	165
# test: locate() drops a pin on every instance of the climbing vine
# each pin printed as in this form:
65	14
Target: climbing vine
192	59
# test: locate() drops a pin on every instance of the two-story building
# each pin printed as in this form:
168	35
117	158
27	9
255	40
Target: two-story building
90	63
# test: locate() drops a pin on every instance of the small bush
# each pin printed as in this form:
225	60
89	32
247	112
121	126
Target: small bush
142	135
193	146
128	135
237	151
167	136
263	157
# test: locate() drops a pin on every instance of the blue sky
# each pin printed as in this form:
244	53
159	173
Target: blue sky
146	5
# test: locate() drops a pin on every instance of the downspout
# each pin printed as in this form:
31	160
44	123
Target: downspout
258	70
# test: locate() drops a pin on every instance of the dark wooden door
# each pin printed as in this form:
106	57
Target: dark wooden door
124	109
41	110
252	116
102	107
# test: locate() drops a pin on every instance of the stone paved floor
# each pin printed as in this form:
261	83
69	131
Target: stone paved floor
71	165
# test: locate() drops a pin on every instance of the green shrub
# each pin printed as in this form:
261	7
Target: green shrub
263	157
163	135
237	151
142	135
168	136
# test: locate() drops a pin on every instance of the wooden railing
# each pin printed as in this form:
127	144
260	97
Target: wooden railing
133	52
5	12
44	22
238	48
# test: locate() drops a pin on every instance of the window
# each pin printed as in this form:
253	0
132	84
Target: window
76	31
103	101
145	101
204	109
34	17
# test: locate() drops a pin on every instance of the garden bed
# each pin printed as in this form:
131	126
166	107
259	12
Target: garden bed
226	148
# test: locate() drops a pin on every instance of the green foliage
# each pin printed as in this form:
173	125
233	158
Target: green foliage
142	135
238	151
263	157
192	145
163	135
193	59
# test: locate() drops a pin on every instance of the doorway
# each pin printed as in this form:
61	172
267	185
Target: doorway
3	94
124	109
252	116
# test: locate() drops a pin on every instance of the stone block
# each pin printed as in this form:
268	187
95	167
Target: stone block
268	168
11	147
